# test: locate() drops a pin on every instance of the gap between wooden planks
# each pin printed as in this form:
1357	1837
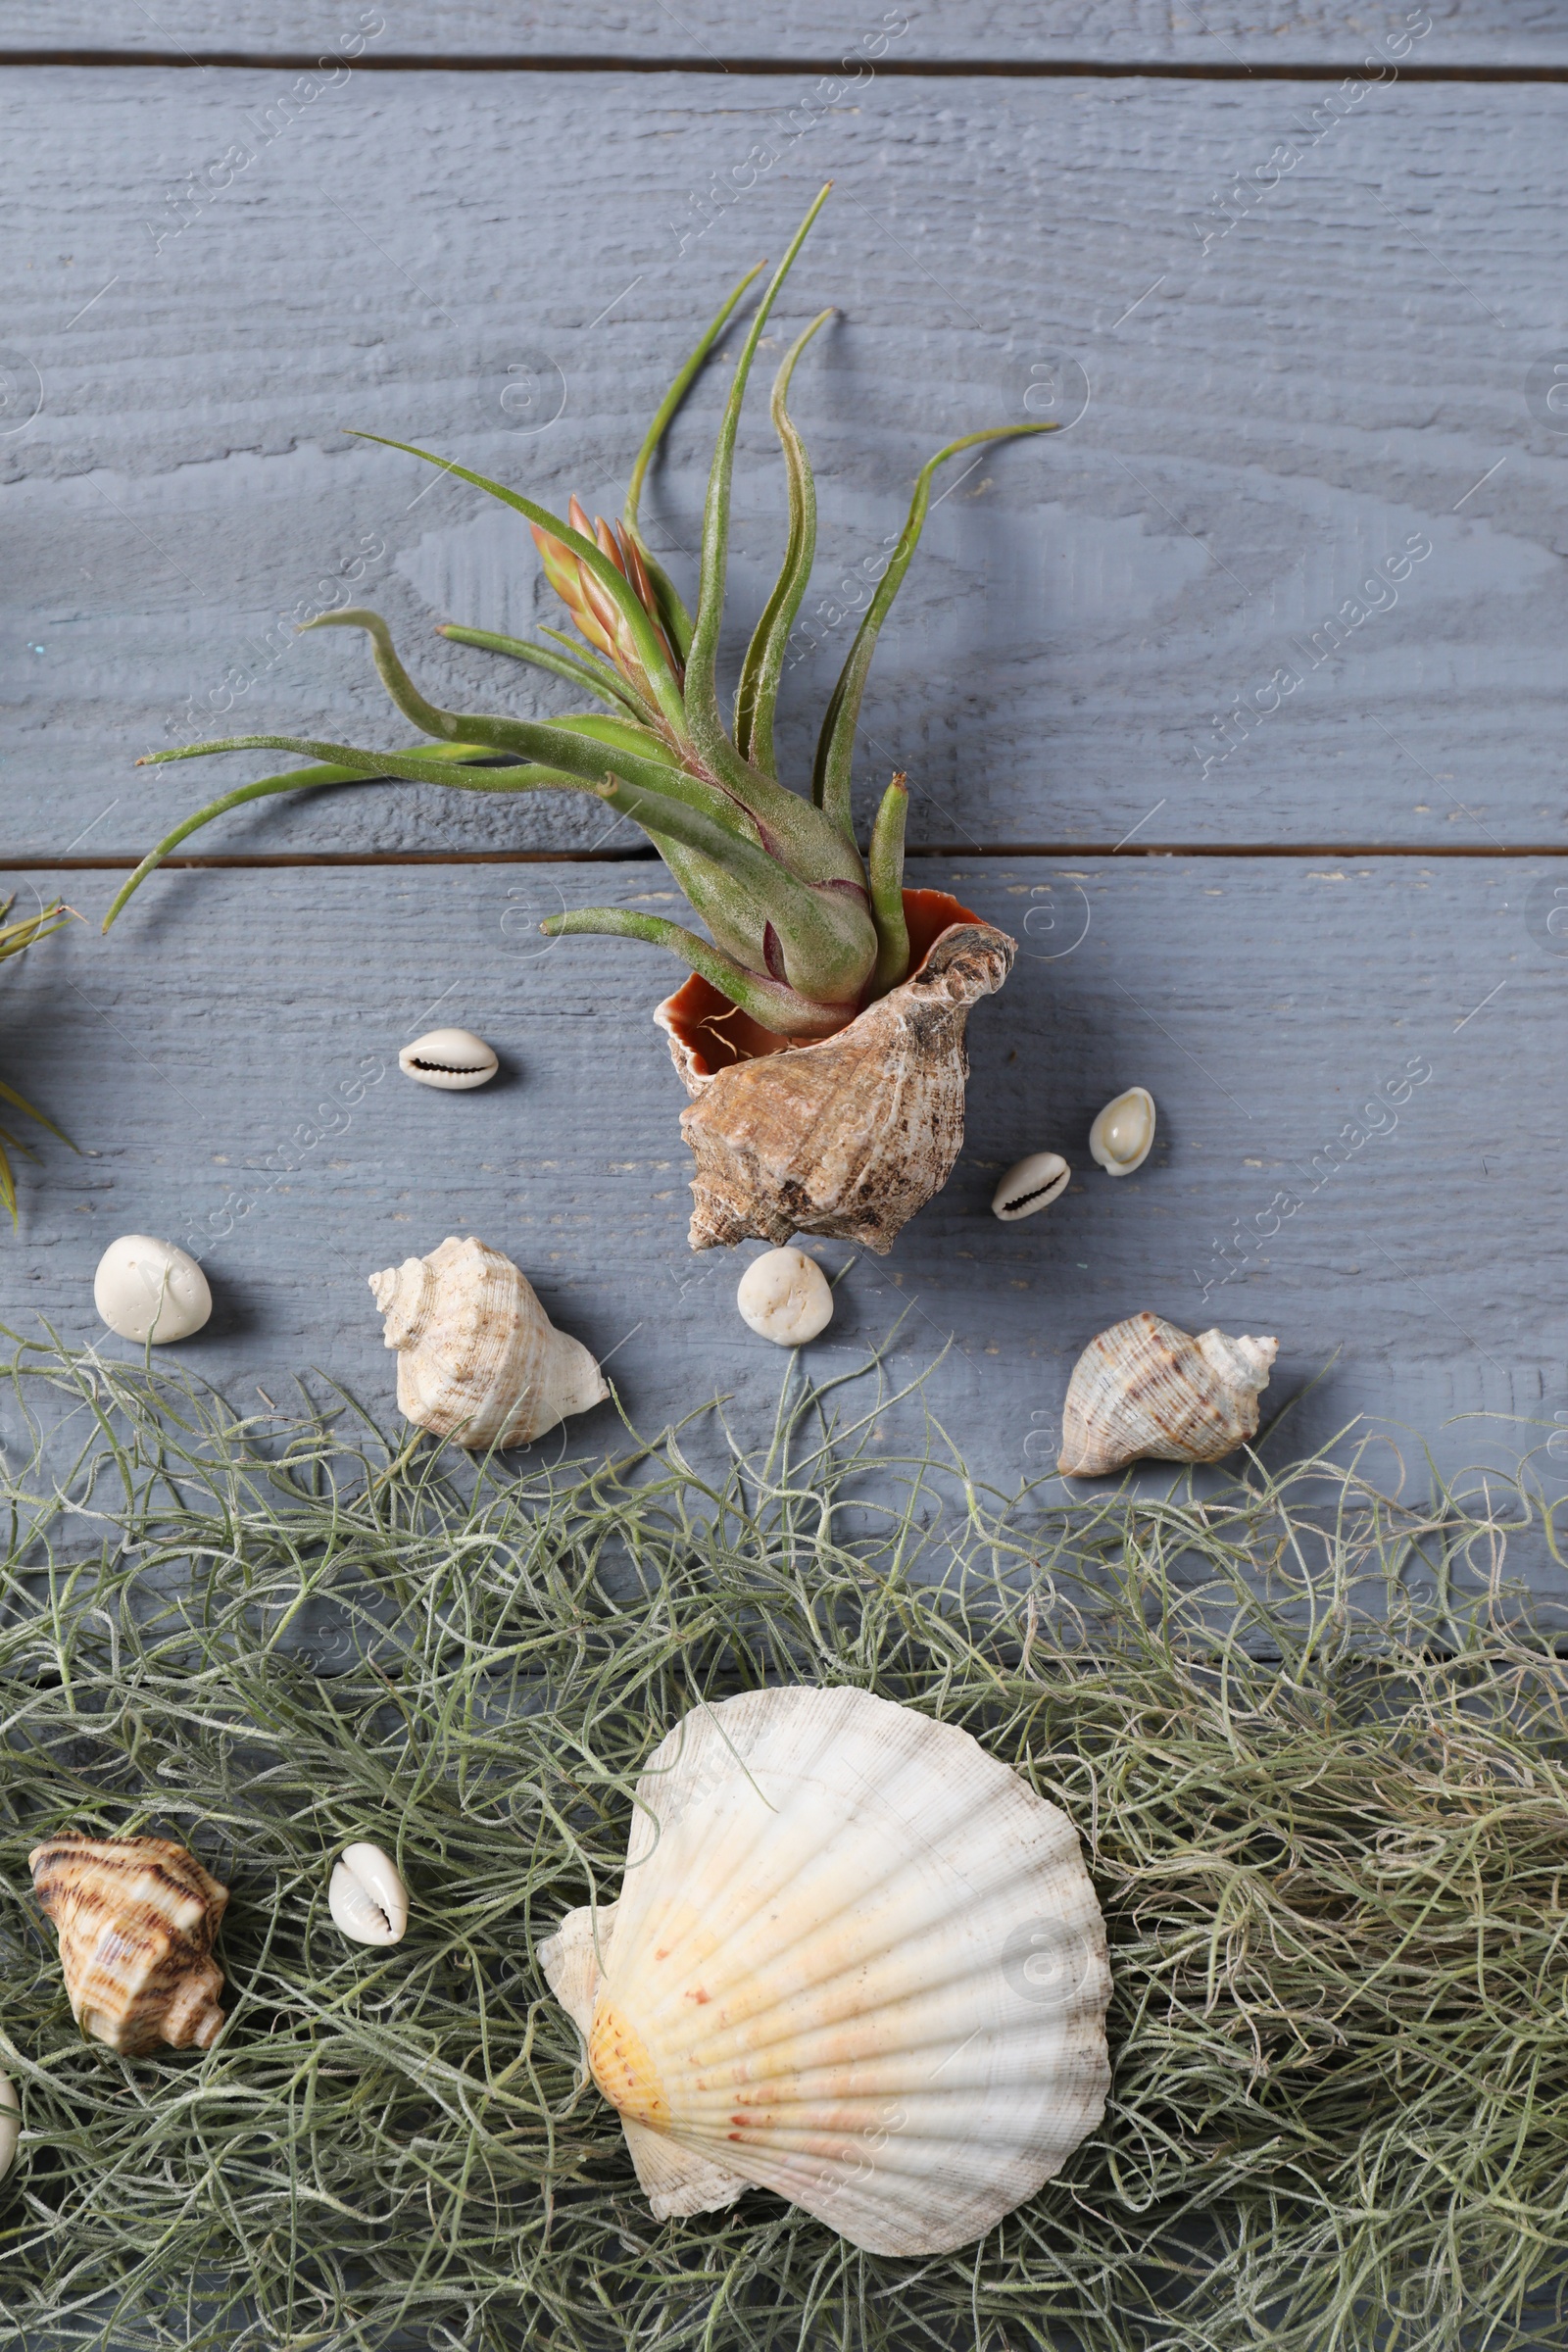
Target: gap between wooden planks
299	61
622	856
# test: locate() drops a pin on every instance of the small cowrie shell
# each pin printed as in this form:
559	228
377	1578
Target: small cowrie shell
452	1058
1031	1185
146	1289
1123	1135
366	1899
10	2124
785	1297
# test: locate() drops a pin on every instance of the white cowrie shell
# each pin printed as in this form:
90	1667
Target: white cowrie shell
1031	1185
785	1297
365	1896
10	2124
1123	1135
146	1289
452	1058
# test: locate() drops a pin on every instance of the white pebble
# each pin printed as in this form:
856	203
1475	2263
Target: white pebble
145	1289
786	1297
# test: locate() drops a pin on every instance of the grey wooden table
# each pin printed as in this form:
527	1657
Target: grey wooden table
1293	279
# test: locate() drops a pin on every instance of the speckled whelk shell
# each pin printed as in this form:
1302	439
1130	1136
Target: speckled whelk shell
847	1137
135	1918
855	1960
1146	1390
478	1358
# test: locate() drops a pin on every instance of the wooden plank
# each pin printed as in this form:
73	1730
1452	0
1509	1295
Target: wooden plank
1140	32
1340	376
1362	1041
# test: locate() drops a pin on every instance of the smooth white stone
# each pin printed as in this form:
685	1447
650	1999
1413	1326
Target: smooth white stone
146	1289
785	1297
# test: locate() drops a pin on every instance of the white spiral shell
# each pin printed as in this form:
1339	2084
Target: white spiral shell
855	1960
478	1358
1146	1390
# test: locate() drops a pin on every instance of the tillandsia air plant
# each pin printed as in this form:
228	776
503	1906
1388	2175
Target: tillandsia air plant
805	931
14	938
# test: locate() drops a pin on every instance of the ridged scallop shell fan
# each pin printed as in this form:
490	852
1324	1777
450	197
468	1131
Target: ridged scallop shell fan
855	1960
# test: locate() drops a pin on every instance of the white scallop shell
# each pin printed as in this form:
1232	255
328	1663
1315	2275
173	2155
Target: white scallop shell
367	1897
478	1358
452	1058
1145	1390
785	1297
855	1960
146	1289
1031	1185
1124	1134
10	2124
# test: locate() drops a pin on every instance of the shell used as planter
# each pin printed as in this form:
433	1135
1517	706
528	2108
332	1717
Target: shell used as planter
478	1358
855	1960
135	1918
1145	1390
847	1137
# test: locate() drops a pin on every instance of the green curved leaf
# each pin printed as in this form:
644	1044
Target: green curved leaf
763	667
885	868
638	755
663	415
834	749
779	1008
594	676
705	725
299	779
650	651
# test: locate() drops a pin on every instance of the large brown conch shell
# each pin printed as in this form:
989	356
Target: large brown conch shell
850	1136
1146	1390
478	1358
135	1918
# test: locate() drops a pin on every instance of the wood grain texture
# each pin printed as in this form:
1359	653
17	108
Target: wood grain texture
1310	1033
1341	370
1146	31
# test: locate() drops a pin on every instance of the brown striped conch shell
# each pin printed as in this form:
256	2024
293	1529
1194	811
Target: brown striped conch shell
478	1358
855	1960
1145	1390
847	1137
135	1918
